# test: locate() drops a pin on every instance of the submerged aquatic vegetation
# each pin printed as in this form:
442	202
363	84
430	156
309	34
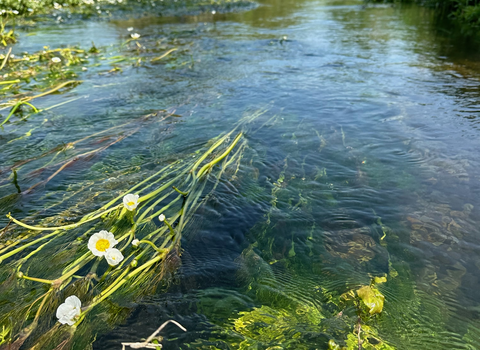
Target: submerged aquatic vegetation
132	269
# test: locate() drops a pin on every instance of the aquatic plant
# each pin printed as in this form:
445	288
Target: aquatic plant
137	248
7	36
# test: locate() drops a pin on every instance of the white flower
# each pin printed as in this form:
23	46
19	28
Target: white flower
161	217
15	12
84	68
100	242
135	242
130	29
113	256
135	36
56	60
130	201
69	311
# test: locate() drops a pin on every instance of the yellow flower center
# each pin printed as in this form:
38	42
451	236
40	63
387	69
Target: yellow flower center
102	245
130	204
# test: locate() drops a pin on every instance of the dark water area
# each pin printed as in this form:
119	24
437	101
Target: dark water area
367	165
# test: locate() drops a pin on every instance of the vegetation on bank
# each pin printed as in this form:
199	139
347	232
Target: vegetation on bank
104	7
464	13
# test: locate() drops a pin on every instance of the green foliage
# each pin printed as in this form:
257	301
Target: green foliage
7	35
466	14
37	281
90	7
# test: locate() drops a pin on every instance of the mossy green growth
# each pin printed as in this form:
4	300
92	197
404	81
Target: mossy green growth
372	299
265	326
369	340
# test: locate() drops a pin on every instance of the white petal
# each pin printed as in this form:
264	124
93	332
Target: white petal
113	256
110	237
92	242
63	310
73	301
130	198
68	312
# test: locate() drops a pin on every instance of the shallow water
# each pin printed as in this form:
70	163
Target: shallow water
370	168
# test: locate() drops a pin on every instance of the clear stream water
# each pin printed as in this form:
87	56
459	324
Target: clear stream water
376	144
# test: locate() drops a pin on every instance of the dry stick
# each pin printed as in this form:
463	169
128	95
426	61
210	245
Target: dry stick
59	149
118	126
6	58
5	229
359	330
146	343
71	161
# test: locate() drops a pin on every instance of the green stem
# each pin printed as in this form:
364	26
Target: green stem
9	82
66	227
19	249
224	154
205	155
41	280
172	232
23	260
152	245
114	287
182	193
15	108
164	209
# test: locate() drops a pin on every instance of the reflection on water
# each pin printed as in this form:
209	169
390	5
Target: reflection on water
366	166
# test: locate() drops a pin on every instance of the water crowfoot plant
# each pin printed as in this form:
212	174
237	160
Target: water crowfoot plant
139	253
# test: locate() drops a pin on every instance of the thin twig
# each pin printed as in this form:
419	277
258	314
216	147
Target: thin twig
146	344
5	229
359	330
6	58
